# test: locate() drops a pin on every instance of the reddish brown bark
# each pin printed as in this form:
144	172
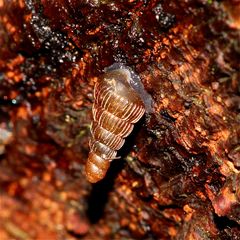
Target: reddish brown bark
179	173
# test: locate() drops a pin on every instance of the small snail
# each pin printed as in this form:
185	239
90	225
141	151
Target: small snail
119	101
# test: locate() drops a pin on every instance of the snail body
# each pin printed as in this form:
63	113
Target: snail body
117	106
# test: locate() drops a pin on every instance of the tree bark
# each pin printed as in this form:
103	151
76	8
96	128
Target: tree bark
178	176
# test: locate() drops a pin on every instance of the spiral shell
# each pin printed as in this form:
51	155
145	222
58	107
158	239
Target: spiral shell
117	106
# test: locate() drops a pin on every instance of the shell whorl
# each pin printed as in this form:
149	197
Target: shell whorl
117	106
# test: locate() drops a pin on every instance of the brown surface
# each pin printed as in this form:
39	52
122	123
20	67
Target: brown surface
180	175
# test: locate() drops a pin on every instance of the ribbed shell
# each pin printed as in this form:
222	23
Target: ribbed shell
116	108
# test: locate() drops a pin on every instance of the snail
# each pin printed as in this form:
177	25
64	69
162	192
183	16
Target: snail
119	102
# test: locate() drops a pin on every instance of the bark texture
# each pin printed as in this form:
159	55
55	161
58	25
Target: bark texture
179	173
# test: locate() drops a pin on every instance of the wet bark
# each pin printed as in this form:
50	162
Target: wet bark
178	177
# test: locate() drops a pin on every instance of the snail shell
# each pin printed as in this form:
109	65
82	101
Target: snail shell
117	106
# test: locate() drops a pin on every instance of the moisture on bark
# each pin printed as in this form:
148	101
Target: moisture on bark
178	177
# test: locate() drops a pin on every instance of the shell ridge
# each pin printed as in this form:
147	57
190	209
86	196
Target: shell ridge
137	114
100	147
126	105
110	101
115	141
107	95
117	108
106	136
100	118
111	139
105	117
129	111
101	93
